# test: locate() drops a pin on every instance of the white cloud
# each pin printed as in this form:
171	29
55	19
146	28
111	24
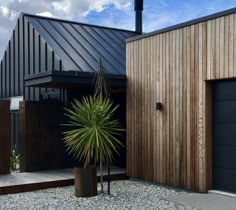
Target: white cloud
45	14
70	8
4	11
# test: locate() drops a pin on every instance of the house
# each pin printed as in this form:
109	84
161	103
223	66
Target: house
180	110
49	62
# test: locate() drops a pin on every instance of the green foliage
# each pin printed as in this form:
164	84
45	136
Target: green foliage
14	161
93	131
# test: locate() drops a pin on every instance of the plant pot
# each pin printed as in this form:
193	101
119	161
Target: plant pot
85	181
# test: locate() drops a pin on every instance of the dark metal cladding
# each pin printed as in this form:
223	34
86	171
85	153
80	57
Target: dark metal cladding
40	44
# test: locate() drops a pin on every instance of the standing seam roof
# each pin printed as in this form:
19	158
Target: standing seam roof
79	46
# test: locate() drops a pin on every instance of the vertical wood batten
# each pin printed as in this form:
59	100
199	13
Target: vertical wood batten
181	108
177	137
157	92
226	44
132	82
171	90
209	74
234	45
200	108
162	112
231	45
138	118
164	134
147	106
188	121
206	107
174	109
151	105
184	88
167	102
222	48
213	49
217	48
127	115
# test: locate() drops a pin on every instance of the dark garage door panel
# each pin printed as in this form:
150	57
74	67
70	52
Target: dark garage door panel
224	135
224	90
224	179
225	112
224	157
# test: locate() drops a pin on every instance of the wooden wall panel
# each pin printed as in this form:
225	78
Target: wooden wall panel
173	146
221	36
5	137
38	150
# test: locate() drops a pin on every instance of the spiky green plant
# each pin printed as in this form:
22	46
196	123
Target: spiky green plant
92	130
14	161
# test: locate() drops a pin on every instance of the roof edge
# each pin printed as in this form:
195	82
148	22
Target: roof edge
183	24
74	22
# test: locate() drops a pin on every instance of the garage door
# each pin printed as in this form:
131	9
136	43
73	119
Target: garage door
224	135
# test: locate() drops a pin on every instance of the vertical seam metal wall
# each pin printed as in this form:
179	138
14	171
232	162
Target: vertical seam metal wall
27	53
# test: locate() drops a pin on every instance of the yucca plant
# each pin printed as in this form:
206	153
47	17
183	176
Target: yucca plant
92	130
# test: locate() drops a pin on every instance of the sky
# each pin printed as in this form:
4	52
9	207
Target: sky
157	14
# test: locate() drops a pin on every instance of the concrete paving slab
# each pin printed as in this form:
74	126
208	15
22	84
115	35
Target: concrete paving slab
208	201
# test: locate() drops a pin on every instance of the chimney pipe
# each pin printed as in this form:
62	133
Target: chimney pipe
138	8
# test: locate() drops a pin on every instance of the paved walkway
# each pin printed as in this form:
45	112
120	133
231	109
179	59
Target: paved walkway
208	201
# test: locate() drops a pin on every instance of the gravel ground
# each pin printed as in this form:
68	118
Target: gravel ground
132	194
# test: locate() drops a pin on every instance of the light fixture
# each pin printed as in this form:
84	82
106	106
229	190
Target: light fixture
159	106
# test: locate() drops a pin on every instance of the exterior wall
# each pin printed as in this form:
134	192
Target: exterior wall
173	146
27	53
41	147
5	137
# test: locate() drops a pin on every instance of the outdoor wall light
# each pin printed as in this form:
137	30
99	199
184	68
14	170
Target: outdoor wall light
159	106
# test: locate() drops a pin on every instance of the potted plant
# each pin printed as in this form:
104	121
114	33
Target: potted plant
91	137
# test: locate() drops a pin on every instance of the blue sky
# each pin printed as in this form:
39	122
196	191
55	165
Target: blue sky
114	13
160	13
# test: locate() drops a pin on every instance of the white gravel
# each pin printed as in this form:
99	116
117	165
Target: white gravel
132	194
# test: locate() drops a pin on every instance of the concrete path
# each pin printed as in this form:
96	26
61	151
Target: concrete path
208	201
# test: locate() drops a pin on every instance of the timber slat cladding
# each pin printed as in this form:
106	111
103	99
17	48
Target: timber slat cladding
173	146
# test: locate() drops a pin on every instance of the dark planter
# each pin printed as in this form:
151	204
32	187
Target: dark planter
85	181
